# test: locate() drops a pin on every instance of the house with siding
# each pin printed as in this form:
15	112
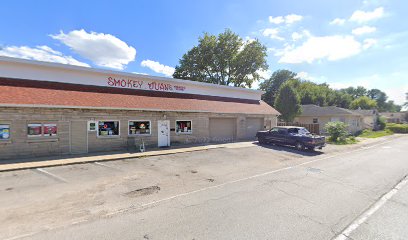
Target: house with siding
313	114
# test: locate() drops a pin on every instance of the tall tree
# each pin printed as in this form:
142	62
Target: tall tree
356	92
363	102
224	59
287	102
271	86
380	97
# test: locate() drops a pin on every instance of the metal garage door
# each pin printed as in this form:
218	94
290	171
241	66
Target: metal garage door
222	129
253	125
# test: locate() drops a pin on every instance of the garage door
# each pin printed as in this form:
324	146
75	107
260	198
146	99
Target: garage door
222	129
253	125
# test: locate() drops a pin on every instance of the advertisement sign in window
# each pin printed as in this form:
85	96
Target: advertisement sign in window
4	131
183	127
139	127
108	128
41	130
50	129
34	130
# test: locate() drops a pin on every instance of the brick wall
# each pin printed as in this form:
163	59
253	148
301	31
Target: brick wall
20	145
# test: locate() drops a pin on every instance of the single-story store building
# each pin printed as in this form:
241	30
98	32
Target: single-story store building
56	109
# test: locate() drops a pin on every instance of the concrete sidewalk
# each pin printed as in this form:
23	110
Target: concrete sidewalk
70	159
58	160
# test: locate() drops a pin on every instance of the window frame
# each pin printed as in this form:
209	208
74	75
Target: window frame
140	134
181	133
107	136
315	122
42	135
9	128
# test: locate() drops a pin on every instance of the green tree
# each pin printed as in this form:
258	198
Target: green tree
287	102
380	97
355	92
224	59
271	86
363	102
390	106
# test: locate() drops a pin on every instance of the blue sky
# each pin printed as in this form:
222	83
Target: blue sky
344	43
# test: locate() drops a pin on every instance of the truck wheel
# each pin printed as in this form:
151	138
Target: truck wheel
299	146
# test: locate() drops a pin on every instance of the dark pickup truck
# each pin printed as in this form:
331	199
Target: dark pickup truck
299	137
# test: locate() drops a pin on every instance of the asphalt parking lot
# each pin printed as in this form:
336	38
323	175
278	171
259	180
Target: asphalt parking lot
36	200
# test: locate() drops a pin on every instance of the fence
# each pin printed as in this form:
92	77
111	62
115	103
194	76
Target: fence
311	127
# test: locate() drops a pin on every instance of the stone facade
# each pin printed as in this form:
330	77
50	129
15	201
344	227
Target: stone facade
20	145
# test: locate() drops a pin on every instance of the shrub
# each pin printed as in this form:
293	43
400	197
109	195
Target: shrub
397	128
337	131
381	123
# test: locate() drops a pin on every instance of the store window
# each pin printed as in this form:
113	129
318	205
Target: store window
42	130
139	128
4	131
183	126
108	128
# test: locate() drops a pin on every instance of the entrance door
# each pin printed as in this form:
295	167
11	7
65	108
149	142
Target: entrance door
79	137
163	133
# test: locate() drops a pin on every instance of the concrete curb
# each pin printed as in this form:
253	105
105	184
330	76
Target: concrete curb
100	158
121	156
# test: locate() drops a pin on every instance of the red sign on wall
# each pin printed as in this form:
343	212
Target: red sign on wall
141	84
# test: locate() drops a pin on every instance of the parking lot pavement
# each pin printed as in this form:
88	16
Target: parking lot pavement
47	198
38	199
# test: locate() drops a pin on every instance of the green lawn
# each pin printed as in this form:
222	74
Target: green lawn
375	134
348	140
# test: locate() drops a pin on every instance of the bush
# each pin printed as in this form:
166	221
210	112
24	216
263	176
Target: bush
337	131
397	128
381	123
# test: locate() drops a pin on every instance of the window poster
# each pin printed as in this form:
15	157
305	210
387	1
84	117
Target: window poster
4	131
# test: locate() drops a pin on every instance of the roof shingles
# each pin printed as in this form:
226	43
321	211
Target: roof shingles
30	96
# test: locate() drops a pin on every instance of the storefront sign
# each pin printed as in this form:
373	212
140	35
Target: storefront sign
144	85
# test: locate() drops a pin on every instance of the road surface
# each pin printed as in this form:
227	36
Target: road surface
360	193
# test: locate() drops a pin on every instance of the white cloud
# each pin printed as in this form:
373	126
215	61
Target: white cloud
140	73
296	36
40	53
338	21
299	35
304	75
369	42
265	74
158	67
291	18
102	49
315	48
276	20
272	33
362	16
288	19
363	30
